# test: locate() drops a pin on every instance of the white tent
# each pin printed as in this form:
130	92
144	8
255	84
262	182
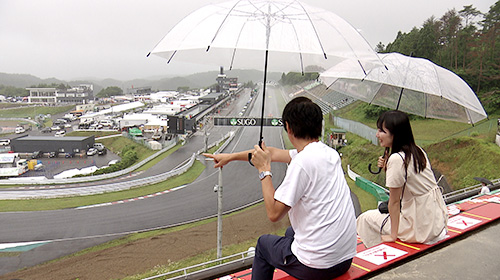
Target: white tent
67	174
154	145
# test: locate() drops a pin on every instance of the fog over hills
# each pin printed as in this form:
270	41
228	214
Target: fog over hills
198	80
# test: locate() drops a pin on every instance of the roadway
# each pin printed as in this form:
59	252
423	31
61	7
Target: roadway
62	232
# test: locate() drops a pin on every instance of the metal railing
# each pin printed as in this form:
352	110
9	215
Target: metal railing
357	128
211	268
468	192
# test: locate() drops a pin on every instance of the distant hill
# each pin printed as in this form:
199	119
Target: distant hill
198	80
25	80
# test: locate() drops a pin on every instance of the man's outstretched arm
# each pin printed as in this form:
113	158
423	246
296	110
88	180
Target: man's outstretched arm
277	155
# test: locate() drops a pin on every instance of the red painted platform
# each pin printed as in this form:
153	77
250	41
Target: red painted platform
464	216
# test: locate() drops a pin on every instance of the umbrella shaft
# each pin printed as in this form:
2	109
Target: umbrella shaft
263	99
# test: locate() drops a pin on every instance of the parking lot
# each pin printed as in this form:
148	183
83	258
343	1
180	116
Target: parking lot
53	166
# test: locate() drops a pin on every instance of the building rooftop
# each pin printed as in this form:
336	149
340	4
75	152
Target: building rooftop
51	138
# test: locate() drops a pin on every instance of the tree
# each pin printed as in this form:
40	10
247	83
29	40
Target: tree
60	86
450	25
182	89
468	13
380	47
250	85
491	28
428	36
487	59
457	39
293	78
13	91
110	91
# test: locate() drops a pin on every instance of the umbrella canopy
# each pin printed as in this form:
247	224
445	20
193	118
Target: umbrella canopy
236	33
409	84
483	180
223	33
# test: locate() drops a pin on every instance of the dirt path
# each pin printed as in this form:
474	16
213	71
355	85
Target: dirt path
142	255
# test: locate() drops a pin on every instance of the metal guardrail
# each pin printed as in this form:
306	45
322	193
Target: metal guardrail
18	119
203	271
471	191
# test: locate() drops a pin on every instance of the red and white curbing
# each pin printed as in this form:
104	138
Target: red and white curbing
131	199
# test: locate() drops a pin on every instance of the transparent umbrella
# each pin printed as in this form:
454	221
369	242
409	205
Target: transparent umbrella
409	84
242	33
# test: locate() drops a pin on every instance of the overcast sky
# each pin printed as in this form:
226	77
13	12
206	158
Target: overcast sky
70	39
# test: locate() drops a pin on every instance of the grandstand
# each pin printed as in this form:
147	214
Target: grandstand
326	98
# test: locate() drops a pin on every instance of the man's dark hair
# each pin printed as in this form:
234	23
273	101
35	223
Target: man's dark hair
303	117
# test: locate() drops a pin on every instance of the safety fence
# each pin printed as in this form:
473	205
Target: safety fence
481	128
357	128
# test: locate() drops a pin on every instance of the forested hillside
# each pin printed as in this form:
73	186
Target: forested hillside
465	41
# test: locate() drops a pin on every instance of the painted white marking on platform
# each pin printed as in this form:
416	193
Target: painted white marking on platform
462	222
380	254
495	199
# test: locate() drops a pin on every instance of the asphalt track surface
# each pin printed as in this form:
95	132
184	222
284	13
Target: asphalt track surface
62	232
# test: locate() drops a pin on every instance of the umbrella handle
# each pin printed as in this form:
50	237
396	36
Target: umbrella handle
374	172
250	154
386	153
250	159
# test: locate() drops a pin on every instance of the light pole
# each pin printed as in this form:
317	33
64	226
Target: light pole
219	215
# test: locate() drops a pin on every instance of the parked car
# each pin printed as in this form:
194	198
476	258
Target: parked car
91	152
106	122
19	130
69	155
102	152
56	127
60	133
83	126
99	146
46	130
96	126
4	142
36	154
38	167
53	154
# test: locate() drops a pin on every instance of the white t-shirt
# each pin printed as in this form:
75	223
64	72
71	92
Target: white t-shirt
322	213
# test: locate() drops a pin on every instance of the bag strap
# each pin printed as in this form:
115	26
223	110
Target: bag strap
404	185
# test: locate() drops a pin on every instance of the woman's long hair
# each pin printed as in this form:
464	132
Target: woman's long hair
399	126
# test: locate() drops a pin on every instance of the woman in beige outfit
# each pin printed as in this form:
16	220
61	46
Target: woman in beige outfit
417	212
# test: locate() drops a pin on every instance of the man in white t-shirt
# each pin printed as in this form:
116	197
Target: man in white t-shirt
321	242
